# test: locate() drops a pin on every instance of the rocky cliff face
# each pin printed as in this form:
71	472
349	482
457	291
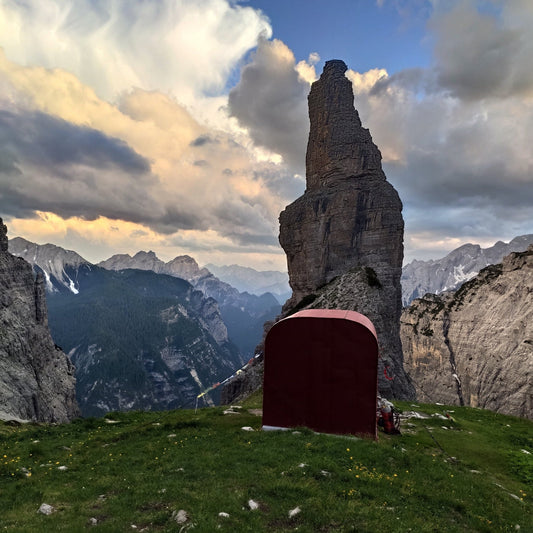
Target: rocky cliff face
36	377
460	265
475	346
349	218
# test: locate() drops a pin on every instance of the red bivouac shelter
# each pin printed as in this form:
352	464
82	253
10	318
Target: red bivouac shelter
320	372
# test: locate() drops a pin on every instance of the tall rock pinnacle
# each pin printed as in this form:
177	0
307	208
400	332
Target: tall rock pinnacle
338	147
349	218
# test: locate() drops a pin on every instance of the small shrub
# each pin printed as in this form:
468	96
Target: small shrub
372	278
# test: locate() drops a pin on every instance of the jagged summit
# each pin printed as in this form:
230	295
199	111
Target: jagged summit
344	236
59	266
452	270
339	148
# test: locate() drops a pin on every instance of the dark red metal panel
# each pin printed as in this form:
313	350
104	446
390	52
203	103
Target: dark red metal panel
321	372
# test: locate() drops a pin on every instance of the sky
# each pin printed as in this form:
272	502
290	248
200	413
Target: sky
180	126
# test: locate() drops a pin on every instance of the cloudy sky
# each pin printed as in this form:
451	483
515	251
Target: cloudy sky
180	126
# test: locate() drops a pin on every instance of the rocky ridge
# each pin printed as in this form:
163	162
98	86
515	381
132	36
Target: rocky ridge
350	217
36	378
52	261
183	266
475	346
460	265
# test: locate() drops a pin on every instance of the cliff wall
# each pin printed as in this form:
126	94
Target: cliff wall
475	346
36	377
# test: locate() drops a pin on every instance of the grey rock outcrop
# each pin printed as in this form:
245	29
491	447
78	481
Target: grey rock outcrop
36	378
475	346
460	265
348	218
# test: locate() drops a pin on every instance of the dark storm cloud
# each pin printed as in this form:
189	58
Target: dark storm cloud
280	182
484	54
176	217
271	101
44	140
48	164
247	239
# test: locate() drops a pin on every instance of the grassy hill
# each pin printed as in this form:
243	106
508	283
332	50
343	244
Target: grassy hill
136	471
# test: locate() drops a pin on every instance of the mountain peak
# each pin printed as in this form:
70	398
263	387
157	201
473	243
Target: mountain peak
452	270
149	254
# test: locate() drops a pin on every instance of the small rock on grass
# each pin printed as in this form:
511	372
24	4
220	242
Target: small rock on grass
253	505
46	509
180	516
294	512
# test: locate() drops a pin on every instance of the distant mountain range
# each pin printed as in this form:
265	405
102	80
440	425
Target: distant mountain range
246	279
243	313
139	340
460	265
140	335
145	334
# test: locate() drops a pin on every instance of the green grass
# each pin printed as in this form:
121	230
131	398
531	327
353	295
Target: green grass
468	473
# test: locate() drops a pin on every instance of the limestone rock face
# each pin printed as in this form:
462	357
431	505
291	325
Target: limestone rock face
349	217
475	346
36	377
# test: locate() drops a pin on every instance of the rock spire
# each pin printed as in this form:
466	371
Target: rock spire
349	218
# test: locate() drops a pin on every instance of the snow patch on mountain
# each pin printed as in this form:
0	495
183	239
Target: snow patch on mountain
52	260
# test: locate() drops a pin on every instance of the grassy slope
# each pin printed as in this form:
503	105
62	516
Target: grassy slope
465	474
